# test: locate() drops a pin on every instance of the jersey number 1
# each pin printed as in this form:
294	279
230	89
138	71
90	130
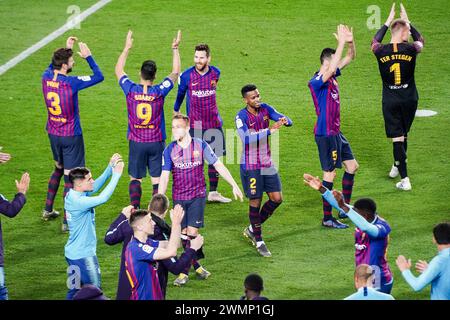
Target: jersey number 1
397	74
144	112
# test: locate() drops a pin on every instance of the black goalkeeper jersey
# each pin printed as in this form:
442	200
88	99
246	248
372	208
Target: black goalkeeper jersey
397	63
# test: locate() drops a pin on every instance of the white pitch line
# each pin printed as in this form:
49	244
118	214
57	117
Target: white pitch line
52	36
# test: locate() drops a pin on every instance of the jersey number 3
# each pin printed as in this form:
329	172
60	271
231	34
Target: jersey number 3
54	108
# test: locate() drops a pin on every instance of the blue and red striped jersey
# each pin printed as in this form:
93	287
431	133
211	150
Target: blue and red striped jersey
145	107
326	100
373	250
142	269
201	104
186	165
61	99
254	132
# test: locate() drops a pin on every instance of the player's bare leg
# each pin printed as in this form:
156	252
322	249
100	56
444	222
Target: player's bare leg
53	184
135	192
400	159
328	220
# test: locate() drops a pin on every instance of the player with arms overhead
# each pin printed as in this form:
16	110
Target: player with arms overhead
397	62
63	124
334	149
146	125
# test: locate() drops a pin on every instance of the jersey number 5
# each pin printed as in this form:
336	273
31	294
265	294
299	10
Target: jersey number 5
54	108
144	112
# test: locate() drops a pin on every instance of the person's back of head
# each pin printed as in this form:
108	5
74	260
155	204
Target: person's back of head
253	285
89	292
367	208
400	30
148	70
441	233
363	276
159	204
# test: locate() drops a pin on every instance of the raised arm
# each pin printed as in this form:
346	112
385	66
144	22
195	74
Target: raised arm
336	200
11	209
417	37
101	180
91	202
120	229
376	41
351	50
340	36
182	89
88	81
120	65
176	215
176	62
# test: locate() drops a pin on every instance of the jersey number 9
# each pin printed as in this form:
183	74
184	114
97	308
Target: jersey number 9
144	112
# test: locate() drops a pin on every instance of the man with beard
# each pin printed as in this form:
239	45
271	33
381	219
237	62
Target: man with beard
63	123
199	83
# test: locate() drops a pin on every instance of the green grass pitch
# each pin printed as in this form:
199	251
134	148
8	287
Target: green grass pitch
276	45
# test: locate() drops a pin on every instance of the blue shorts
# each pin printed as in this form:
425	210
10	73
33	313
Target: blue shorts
81	272
214	137
333	150
68	151
143	155
194	212
256	182
3	289
386	287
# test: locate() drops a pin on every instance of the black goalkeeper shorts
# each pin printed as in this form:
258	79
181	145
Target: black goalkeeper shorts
398	117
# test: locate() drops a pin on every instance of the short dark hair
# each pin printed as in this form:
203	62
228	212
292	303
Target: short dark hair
203	47
148	70
137	215
180	116
78	174
247	88
398	24
326	54
60	57
254	282
159	203
441	233
367	206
